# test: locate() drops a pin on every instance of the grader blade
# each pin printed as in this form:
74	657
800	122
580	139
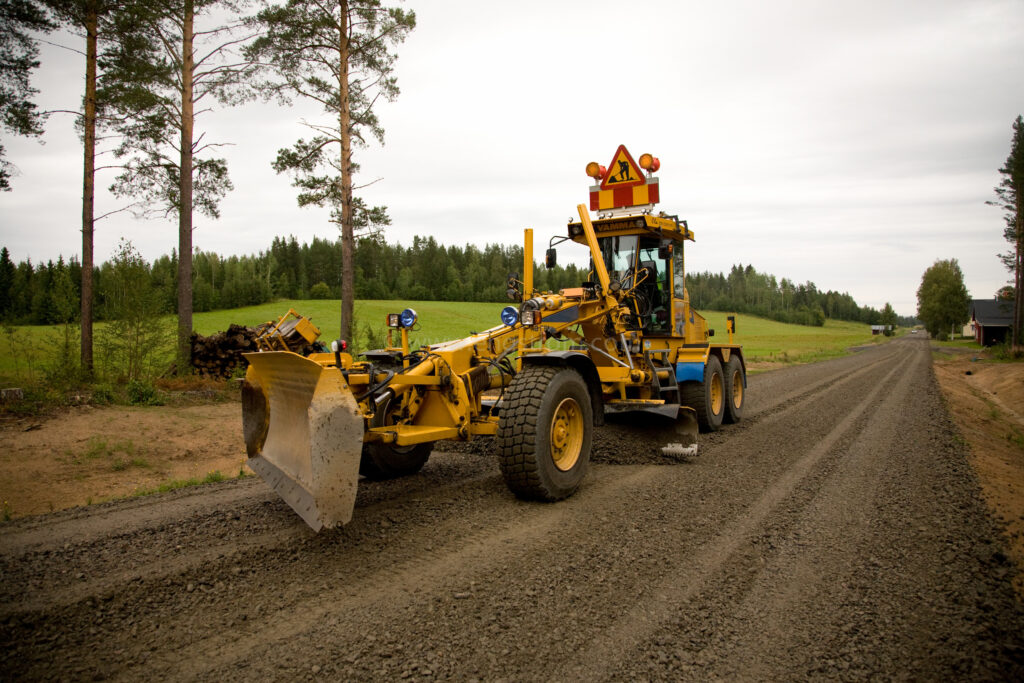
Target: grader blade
304	434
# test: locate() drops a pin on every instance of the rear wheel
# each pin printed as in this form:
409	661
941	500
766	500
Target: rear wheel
735	392
707	398
545	433
387	461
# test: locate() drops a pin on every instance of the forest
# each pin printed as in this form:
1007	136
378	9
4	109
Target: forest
49	293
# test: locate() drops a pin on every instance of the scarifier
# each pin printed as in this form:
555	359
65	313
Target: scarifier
626	341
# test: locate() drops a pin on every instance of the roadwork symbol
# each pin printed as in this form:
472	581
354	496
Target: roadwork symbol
622	171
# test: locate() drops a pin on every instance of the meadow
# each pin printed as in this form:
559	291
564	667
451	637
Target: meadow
26	350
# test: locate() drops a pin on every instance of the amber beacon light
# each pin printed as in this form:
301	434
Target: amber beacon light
649	163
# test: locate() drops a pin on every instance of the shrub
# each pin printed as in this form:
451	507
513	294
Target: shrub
320	291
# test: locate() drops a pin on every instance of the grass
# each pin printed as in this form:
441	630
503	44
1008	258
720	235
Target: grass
763	340
175	484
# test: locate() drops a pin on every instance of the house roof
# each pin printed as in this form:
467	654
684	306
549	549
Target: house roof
992	312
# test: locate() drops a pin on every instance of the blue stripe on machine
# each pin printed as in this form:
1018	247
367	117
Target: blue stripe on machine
566	316
688	372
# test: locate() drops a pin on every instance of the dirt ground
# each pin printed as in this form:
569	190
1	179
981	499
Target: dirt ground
92	454
986	400
838	532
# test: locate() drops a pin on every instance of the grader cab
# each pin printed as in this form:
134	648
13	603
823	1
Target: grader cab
624	341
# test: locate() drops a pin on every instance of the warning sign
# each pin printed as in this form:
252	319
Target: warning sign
623	171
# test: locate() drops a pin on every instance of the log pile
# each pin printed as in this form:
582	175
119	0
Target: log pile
220	354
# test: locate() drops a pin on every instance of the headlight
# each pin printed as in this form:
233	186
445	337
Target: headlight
531	318
509	316
408	317
393	320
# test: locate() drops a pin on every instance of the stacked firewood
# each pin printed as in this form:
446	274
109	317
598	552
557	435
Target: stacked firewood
219	354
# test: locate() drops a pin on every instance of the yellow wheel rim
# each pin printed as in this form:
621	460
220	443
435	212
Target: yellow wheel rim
737	389
717	394
566	434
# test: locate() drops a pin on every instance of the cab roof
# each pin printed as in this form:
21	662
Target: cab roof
661	227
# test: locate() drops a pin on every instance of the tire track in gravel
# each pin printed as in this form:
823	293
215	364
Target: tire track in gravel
156	547
615	643
794	561
532	570
492	536
311	575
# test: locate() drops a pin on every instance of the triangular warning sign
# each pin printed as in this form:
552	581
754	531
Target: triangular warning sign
623	171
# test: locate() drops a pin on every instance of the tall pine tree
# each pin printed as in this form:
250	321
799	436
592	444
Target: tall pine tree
1010	194
166	67
336	54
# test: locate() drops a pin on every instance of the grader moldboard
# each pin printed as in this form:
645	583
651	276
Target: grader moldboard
314	423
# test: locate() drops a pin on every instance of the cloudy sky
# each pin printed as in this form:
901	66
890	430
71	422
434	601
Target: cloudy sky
850	144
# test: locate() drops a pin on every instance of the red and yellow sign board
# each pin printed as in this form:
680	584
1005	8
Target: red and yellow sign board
623	184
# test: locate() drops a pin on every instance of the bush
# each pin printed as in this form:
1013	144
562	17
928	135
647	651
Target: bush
320	291
141	393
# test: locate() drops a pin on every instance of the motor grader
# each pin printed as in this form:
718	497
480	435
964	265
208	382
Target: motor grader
541	381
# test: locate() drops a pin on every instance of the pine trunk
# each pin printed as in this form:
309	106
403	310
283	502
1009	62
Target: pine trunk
1018	305
185	196
347	227
88	186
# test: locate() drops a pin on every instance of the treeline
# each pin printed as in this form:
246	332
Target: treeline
745	290
48	293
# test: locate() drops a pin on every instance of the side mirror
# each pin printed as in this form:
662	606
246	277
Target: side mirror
550	258
664	252
732	324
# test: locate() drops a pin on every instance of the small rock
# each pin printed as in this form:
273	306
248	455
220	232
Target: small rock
316	668
191	587
461	596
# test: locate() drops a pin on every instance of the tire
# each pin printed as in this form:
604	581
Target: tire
735	391
381	460
707	398
545	433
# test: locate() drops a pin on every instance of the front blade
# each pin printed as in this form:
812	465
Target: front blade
304	435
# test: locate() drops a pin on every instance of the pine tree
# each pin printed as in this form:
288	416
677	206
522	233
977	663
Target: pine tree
19	20
335	54
1010	197
165	67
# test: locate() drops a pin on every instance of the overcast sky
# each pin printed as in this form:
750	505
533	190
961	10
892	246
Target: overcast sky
850	144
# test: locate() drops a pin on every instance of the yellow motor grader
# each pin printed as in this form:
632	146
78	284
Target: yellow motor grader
541	381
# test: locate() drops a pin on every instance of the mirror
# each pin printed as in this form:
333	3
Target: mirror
664	252
550	258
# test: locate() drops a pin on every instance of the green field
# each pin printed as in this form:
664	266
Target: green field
764	341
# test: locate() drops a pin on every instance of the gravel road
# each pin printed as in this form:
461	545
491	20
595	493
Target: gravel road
836	533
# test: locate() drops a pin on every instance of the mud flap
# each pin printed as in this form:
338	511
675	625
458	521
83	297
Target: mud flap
304	435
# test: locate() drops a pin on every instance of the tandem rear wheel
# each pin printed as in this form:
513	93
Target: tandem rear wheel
707	398
545	432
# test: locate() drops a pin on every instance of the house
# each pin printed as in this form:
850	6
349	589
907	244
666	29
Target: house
991	319
880	329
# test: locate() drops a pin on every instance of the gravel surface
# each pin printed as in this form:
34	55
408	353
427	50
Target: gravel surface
836	533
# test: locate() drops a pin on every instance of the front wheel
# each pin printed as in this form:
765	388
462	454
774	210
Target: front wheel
387	461
545	433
